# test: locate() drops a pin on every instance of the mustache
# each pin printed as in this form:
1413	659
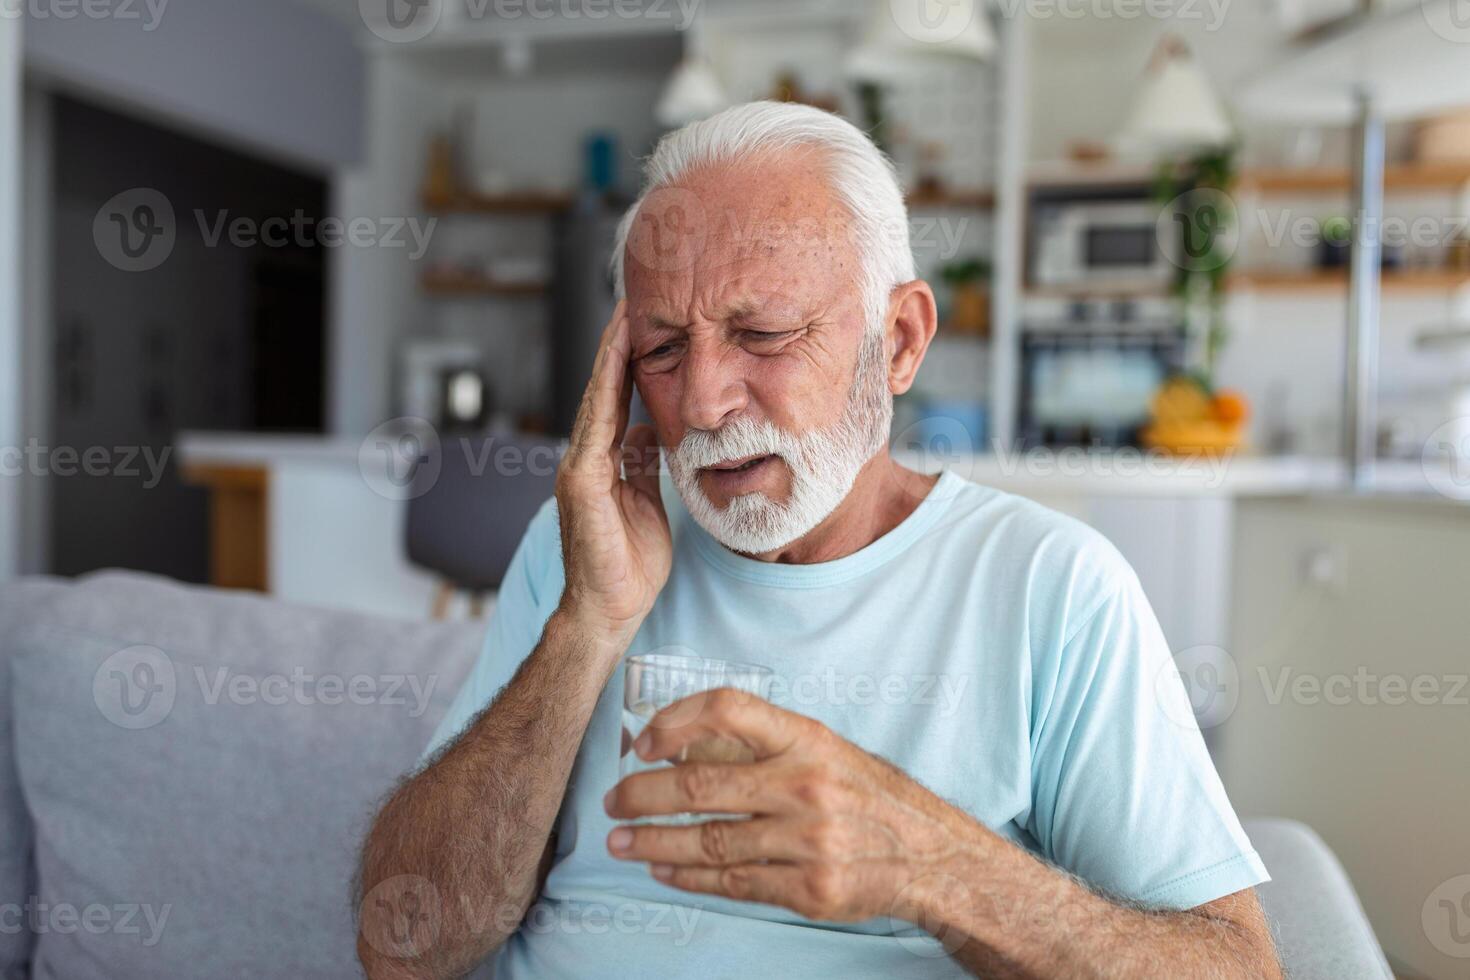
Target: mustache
742	437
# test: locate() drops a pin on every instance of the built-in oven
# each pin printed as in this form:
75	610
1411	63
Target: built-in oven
1091	386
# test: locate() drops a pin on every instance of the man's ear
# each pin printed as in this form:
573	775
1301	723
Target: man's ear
912	320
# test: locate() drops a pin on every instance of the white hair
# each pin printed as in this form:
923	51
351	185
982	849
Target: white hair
861	177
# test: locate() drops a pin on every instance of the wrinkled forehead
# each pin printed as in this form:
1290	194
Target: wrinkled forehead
770	223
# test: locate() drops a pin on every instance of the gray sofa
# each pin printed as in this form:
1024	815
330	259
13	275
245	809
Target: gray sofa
185	775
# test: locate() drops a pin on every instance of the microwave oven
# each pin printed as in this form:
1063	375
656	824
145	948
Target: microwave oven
1113	245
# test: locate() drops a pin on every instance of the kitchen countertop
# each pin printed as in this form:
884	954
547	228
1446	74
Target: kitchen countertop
1128	472
1136	473
262	449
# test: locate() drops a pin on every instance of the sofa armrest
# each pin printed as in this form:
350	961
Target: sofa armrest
1321	930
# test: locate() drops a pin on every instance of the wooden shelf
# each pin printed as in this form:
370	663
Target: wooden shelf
978	198
1324	180
1336	280
472	284
1097	291
1092	173
519	202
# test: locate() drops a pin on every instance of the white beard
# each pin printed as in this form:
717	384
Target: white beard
824	463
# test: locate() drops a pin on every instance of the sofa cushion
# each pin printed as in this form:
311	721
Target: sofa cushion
200	767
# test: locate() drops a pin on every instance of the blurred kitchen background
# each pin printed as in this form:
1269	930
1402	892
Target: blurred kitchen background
241	243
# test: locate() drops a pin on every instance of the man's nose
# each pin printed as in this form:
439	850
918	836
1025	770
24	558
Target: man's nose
714	389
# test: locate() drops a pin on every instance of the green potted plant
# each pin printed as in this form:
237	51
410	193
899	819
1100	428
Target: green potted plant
1198	191
1335	249
1336	243
968	281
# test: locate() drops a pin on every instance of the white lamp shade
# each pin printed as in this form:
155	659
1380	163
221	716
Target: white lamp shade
693	93
905	36
1176	109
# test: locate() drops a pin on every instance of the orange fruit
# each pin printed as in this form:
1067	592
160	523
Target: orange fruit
1231	407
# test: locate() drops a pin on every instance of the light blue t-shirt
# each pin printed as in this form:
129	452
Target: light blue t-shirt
1001	654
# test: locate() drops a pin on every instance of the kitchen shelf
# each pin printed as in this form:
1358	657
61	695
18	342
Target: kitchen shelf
1096	291
1404	177
1335	280
474	284
979	198
1100	173
519	202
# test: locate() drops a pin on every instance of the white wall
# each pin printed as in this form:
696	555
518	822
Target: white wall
375	291
10	286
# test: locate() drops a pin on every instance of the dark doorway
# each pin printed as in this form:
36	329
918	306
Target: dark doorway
222	330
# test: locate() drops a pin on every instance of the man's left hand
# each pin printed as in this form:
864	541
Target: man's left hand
834	833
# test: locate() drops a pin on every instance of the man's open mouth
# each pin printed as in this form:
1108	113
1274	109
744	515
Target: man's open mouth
739	465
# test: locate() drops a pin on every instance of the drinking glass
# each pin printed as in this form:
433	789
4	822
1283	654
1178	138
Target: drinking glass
652	682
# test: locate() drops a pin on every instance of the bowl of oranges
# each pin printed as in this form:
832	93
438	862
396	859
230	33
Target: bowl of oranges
1188	418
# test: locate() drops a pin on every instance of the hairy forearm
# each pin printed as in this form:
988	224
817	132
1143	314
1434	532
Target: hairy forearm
472	827
1006	914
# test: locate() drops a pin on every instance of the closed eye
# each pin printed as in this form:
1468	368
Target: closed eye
765	336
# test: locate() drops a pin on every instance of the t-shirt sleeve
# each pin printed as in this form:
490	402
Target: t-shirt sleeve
530	591
1124	792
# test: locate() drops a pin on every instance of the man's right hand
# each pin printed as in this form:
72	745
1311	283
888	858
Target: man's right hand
615	541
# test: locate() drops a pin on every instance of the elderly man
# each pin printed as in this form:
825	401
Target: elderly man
997	772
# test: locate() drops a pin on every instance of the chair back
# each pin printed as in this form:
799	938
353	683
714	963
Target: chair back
466	526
